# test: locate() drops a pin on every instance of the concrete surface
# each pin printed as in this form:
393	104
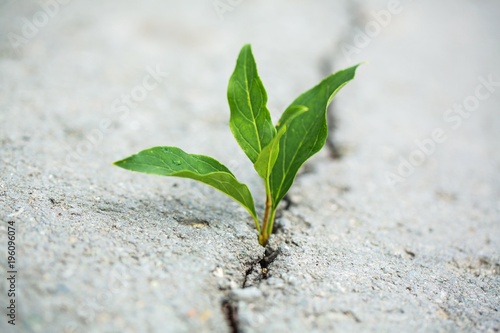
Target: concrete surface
105	250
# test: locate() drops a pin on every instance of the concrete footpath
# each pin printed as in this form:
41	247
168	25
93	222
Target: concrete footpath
397	230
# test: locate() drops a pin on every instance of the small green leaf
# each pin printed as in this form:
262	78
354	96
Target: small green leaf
267	157
172	161
306	133
250	119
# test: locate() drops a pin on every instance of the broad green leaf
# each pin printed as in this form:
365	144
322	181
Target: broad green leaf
267	157
172	161
305	134
250	119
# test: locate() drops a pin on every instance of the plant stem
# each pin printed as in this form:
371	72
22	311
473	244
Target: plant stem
264	234
271	222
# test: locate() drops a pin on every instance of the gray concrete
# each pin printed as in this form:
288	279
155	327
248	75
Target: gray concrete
105	250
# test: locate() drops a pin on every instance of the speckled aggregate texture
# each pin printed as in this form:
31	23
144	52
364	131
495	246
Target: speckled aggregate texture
398	234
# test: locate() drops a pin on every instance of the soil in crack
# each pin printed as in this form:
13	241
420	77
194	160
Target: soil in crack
269	256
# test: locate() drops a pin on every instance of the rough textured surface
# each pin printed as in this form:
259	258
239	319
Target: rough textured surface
104	250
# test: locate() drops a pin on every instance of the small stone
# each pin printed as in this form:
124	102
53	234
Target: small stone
218	272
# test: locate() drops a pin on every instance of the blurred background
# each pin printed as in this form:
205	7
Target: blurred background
76	59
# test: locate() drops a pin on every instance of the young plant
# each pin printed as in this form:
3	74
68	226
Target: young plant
276	151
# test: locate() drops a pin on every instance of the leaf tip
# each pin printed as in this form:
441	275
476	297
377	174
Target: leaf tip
355	67
120	163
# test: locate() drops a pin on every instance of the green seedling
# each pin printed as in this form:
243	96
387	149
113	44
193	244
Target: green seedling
276	151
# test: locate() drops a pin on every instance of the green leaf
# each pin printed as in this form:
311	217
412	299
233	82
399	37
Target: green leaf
250	119
268	156
172	161
306	133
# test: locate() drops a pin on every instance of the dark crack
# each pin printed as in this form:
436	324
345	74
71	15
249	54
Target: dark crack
259	269
270	256
256	271
230	311
351	315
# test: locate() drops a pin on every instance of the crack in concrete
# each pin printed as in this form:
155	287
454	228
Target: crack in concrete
326	67
230	311
257	271
351	315
270	256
